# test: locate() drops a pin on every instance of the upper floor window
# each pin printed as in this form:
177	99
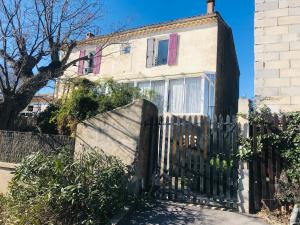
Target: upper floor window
125	49
90	64
30	108
162	51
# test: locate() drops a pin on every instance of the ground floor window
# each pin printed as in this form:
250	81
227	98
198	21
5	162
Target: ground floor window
189	95
155	91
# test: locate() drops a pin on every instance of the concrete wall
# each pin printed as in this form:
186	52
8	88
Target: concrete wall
123	133
6	175
277	54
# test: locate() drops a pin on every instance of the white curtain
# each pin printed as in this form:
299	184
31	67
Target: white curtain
144	86
211	105
176	96
158	87
194	95
159	94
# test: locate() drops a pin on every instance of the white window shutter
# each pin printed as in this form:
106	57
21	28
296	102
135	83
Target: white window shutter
150	52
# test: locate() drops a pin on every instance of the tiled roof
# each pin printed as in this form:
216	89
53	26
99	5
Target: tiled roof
155	28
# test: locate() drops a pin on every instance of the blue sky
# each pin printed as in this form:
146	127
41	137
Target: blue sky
238	14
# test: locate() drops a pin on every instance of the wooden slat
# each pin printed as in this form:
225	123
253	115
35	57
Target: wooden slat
176	154
263	171
215	152
196	152
270	169
277	155
255	162
160	133
220	151
170	152
188	144
203	152
182	155
207	155
164	159
165	154
228	148
235	177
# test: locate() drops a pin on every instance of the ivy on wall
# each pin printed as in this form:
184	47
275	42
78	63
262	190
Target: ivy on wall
283	137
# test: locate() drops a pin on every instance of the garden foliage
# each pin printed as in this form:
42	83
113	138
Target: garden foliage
284	140
57	190
86	99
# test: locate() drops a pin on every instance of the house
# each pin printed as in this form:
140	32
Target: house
38	104
277	55
190	64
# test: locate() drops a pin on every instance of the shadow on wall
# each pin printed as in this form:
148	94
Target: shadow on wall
122	133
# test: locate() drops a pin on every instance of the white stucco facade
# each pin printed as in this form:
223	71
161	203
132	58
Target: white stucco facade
197	57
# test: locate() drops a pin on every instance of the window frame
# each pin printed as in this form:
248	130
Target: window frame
125	46
90	63
208	79
156	51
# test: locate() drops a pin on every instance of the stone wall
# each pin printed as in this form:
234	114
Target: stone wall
124	133
6	174
277	54
14	146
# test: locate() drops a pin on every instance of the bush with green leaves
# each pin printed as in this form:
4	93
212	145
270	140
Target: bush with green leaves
89	99
286	142
2	206
57	190
44	120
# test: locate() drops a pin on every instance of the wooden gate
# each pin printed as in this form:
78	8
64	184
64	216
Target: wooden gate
195	160
265	168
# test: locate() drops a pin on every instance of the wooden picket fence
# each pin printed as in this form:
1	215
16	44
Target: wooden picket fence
195	160
265	168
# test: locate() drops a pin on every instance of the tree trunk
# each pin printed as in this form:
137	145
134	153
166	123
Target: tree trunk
7	115
10	109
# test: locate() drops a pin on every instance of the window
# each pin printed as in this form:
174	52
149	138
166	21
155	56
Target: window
30	108
186	95
90	64
162	52
191	95
125	49
154	91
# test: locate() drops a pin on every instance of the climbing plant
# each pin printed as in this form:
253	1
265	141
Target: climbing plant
285	139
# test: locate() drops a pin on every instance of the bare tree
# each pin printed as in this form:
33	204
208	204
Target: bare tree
32	35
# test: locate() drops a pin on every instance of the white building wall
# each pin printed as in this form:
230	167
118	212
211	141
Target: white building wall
197	53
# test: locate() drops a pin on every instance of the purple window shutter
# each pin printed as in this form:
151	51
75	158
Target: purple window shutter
81	63
97	60
173	48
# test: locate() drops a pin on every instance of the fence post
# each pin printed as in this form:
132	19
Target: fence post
243	188
243	172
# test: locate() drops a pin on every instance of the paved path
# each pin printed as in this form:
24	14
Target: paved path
169	213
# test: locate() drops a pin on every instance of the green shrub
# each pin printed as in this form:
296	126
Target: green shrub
2	206
288	192
286	142
45	122
57	190
89	99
